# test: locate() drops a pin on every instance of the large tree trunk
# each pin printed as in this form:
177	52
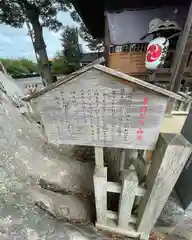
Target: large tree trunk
39	43
40	49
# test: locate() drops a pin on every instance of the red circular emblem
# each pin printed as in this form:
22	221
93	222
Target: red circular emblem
153	52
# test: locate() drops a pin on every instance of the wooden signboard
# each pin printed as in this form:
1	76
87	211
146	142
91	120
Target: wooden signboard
130	63
97	109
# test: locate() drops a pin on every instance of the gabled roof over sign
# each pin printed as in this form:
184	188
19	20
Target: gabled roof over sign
65	79
126	79
141	83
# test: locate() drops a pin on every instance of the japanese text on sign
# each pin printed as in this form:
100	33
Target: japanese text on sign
143	113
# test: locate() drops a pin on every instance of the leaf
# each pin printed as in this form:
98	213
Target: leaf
93	44
75	16
18	67
71	47
52	23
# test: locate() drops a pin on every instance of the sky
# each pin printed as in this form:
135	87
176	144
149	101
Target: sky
16	43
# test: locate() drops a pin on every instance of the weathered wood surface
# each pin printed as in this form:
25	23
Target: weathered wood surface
181	57
171	154
118	160
184	47
100	186
95	109
127	197
128	62
64	79
114	215
112	226
115	159
99	158
183	186
121	160
137	81
116	188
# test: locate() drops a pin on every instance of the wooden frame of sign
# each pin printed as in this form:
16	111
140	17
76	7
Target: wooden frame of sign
100	107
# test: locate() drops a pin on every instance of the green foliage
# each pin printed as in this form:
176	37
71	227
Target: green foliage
95	44
37	14
71	48
59	65
29	65
16	12
19	67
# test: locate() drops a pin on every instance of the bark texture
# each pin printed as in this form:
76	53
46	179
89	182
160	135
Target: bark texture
32	14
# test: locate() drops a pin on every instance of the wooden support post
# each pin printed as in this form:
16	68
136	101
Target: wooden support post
182	53
99	159
100	186
128	192
169	158
183	49
131	156
122	160
190	66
